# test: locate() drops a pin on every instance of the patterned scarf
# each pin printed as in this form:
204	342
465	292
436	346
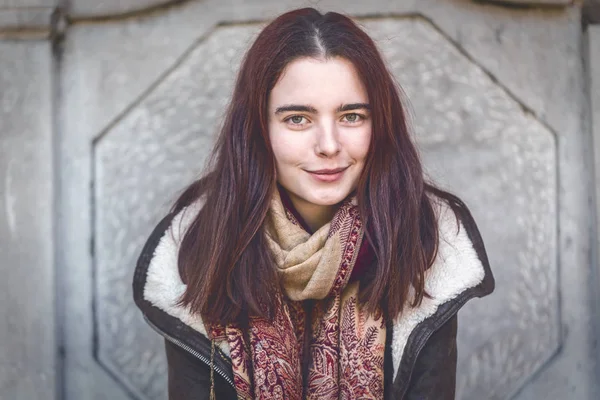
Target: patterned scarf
343	358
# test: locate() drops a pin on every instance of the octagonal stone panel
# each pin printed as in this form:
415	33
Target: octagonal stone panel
475	139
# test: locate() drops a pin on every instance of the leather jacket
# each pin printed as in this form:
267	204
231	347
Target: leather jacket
420	355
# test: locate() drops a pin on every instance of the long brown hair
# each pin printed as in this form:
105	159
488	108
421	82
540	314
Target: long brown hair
224	258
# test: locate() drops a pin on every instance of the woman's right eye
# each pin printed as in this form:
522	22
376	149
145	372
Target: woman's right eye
296	119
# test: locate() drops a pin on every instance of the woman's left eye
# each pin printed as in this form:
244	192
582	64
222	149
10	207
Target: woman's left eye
353	118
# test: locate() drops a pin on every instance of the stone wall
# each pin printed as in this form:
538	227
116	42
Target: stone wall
28	320
108	108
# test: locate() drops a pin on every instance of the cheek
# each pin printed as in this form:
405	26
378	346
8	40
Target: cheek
358	144
283	148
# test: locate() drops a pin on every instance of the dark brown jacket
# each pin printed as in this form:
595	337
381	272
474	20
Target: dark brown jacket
420	356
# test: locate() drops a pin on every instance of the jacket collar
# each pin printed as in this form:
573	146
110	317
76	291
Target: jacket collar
460	272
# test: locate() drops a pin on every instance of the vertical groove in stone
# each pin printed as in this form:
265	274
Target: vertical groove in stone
59	286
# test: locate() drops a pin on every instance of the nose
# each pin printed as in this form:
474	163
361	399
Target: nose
328	144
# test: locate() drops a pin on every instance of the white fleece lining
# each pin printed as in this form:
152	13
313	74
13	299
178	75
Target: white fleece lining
164	286
456	268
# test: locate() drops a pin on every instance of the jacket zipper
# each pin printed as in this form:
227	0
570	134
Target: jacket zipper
191	351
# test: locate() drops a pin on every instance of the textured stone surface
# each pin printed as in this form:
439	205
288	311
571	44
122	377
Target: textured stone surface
27	317
24	19
27	3
593	33
110	66
573	373
103	8
468	127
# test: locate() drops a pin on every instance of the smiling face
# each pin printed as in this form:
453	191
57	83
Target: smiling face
320	130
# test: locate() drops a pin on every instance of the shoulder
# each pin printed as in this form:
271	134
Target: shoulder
460	272
157	269
461	263
157	284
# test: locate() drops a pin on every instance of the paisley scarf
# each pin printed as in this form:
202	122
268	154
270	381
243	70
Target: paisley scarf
321	344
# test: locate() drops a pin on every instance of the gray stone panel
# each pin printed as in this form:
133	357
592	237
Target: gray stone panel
593	33
573	372
104	8
27	317
109	66
27	3
23	21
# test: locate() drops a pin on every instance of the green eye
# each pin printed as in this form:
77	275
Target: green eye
353	118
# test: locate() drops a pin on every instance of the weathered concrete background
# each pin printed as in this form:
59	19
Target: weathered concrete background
5	4
505	109
104	8
27	318
593	69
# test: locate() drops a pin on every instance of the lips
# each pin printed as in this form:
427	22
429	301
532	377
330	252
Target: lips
328	175
328	171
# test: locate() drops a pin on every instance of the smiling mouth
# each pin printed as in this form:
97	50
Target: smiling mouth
328	171
328	175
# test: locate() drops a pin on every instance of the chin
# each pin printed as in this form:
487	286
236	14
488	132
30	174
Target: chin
310	192
328	197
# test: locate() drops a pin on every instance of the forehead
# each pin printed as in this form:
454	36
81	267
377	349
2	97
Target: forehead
321	83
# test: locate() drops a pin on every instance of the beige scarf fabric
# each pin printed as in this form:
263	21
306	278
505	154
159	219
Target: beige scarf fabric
346	350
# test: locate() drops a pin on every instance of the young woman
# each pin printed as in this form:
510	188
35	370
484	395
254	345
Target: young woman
312	260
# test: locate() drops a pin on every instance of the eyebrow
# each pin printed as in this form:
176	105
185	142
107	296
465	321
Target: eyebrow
354	106
296	107
313	110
